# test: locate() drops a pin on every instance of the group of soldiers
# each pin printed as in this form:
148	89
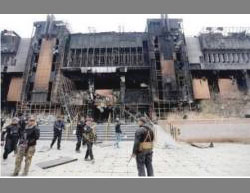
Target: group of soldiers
22	134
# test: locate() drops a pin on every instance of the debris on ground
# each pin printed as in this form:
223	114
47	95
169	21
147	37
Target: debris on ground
211	145
56	162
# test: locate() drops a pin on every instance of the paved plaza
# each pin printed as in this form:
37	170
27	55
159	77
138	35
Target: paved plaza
224	159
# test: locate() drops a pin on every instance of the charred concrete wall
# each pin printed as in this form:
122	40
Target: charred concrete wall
159	70
48	45
221	56
14	54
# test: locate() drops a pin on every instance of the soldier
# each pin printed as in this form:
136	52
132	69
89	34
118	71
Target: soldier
27	146
22	121
143	148
13	133
58	127
90	137
118	132
79	134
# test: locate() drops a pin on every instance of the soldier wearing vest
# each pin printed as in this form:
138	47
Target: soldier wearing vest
27	146
13	134
58	127
143	148
90	137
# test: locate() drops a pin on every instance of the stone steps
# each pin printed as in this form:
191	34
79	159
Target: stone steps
46	133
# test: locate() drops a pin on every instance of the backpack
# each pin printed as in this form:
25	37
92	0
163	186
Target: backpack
144	146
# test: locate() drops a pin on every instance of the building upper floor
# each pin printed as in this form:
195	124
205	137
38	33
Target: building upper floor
220	48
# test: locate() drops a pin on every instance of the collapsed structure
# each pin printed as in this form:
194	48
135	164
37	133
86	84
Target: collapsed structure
110	74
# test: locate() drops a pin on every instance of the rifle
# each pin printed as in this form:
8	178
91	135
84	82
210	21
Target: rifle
130	158
24	146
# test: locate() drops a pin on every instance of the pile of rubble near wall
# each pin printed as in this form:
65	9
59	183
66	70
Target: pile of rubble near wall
226	108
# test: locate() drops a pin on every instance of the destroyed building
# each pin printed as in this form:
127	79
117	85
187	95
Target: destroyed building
219	63
111	75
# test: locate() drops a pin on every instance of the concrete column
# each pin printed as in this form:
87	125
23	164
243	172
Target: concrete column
246	59
122	88
226	58
247	77
91	85
241	58
216	58
206	58
212	57
236	59
221	58
231	58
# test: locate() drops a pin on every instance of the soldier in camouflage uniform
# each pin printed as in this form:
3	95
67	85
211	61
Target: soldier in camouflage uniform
27	146
90	137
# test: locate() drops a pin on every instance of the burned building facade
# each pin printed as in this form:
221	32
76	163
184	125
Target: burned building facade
220	66
108	75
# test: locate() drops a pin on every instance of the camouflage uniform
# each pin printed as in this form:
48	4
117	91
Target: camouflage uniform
26	148
90	138
28	154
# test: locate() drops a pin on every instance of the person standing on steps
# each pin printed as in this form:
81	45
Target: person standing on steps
90	137
27	146
118	133
11	140
58	127
79	134
143	148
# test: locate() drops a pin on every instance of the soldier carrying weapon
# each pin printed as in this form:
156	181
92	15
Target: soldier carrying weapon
13	134
90	137
27	146
79	134
58	127
143	148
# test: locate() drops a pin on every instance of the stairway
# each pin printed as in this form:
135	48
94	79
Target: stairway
22	107
46	132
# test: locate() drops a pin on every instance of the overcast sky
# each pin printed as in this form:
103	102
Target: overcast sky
192	23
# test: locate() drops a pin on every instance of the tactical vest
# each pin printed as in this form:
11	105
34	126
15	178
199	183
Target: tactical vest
14	131
90	135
